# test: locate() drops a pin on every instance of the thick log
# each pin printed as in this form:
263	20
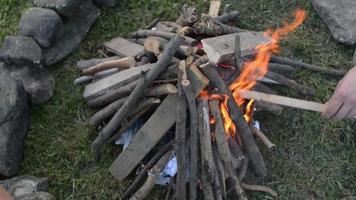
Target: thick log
194	140
188	15
263	137
237	117
139	177
290	83
207	161
123	47
259	188
228	16
166	35
152	176
180	138
114	81
146	138
163	89
121	63
294	63
214	8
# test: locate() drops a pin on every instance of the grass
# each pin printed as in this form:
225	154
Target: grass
315	158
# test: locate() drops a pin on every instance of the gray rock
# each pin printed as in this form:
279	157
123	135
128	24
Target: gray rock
20	50
66	8
339	16
13	124
44	25
26	184
75	31
38	82
110	3
36	196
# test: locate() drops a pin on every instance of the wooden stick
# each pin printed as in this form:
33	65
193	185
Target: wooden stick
148	166
269	107
119	63
276	67
162	89
227	8
153	23
172	24
161	65
283	101
243	169
212	27
207	162
263	137
287	61
214	8
237	117
180	138
219	179
152	176
229	16
162	34
259	188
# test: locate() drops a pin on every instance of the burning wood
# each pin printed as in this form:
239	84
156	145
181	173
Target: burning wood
168	75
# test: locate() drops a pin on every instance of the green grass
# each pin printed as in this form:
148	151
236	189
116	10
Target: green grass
315	158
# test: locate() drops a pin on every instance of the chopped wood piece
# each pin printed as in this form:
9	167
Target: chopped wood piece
263	137
284	101
152	176
222	48
214	8
139	177
212	27
162	89
114	81
237	117
146	138
153	23
156	46
180	138
295	63
290	83
207	161
83	64
259	188
127	62
166	35
188	15
198	80
228	16
123	47
194	140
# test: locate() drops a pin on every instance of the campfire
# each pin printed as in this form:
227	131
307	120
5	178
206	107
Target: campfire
174	97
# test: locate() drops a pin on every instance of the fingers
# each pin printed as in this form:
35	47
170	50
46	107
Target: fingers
343	112
332	107
352	114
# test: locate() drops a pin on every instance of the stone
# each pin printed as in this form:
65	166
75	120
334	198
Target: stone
75	31
13	124
38	82
66	8
222	48
44	25
339	16
36	196
21	50
123	47
109	3
26	184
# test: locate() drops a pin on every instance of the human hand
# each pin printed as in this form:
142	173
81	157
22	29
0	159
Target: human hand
343	102
4	195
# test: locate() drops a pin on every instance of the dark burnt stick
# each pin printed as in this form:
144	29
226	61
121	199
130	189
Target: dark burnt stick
237	117
128	125
153	23
236	152
294	63
161	65
152	176
109	110
290	83
139	177
243	169
166	35
228	16
194	141
180	138
260	87
281	68
207	161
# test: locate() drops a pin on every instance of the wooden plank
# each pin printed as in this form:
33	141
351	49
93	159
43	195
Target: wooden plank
197	78
214	8
283	101
123	47
146	138
222	48
114	81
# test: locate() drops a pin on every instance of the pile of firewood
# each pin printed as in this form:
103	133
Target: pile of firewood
162	76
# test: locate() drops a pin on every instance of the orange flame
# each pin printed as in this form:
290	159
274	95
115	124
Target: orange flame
253	71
